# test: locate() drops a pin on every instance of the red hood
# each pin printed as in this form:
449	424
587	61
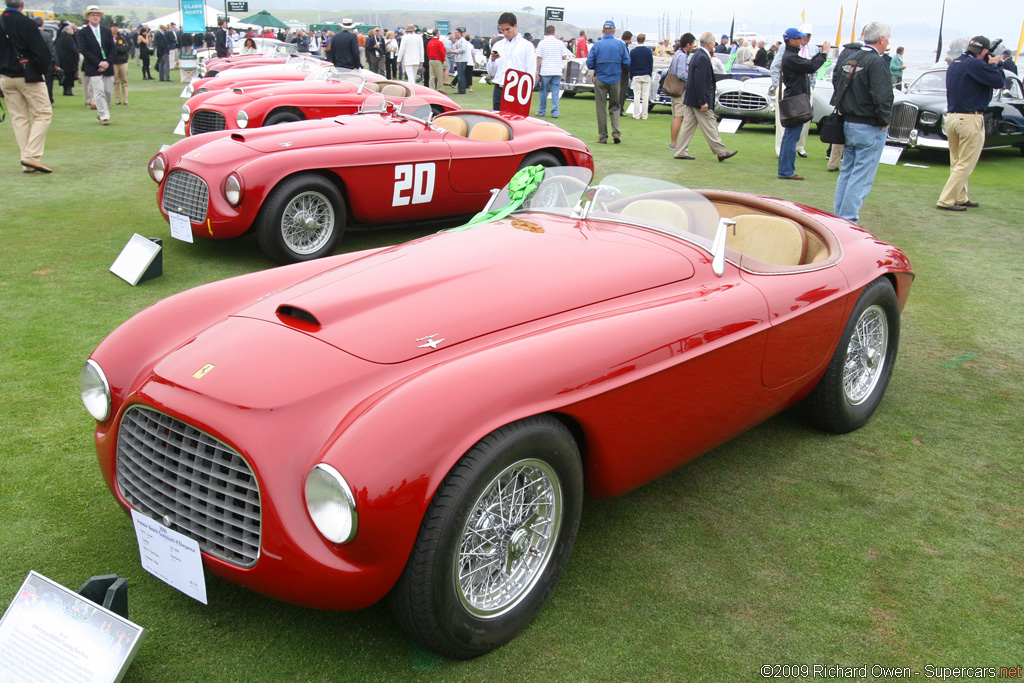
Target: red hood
403	302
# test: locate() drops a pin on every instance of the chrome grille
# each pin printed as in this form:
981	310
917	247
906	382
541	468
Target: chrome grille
904	120
737	100
572	72
186	193
190	482
204	121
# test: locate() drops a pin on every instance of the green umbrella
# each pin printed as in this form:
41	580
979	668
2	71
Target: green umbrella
264	19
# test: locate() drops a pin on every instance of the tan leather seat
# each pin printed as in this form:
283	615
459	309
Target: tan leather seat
769	239
658	211
393	90
372	87
452	124
489	130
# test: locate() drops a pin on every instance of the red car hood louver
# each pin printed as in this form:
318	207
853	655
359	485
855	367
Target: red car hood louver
405	302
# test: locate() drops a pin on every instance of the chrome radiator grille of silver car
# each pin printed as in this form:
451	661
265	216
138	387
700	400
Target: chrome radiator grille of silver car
190	482
904	120
204	121
187	194
742	101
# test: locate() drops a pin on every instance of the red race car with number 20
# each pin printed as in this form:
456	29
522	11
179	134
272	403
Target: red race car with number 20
298	185
422	421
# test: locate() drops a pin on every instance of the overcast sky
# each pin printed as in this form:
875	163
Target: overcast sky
919	17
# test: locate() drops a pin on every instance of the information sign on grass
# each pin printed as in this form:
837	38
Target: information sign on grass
50	633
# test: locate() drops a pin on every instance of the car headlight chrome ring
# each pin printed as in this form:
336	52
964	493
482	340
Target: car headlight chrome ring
331	505
233	189
95	390
186	113
157	168
242	119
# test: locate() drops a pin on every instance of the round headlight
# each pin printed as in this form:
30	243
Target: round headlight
233	189
157	167
185	113
189	90
242	119
95	390
331	505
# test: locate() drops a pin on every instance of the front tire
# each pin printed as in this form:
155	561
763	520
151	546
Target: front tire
545	159
494	540
302	219
281	117
857	376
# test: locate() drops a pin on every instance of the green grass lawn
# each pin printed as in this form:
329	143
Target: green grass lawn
899	544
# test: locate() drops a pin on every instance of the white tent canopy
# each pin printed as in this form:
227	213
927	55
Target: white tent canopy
211	14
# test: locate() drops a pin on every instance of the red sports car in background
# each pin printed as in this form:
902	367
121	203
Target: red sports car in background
423	420
325	94
296	69
300	184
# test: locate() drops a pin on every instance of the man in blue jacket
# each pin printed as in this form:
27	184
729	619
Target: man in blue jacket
607	58
970	79
641	68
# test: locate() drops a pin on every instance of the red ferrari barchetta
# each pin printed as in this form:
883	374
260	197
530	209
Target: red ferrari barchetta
422	421
298	185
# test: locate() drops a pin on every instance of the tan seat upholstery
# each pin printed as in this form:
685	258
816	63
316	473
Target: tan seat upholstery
393	90
769	239
658	211
452	124
489	130
372	87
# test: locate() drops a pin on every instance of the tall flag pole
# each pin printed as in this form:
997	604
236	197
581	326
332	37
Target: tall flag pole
839	32
853	26
1020	42
942	18
732	27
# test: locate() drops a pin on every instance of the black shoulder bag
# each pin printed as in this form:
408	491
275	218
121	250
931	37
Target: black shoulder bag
830	128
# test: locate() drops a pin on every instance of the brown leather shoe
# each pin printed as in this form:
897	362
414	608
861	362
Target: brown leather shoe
968	203
791	177
728	155
36	166
685	157
951	207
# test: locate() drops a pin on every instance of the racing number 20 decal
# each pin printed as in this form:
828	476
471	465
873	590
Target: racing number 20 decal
517	92
414	184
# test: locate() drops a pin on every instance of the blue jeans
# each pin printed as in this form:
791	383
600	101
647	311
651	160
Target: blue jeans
864	145
787	151
552	84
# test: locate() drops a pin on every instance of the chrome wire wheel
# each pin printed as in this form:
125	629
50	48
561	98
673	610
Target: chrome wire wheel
308	222
865	355
508	538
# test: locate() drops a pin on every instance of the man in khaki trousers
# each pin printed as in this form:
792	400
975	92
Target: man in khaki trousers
24	61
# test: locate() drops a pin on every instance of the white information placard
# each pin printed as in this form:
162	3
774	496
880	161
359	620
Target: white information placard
171	557
181	228
729	125
180	128
134	259
890	155
50	633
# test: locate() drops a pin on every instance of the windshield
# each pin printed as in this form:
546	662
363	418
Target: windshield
933	81
406	108
647	202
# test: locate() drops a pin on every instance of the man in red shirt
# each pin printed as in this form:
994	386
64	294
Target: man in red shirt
582	49
436	55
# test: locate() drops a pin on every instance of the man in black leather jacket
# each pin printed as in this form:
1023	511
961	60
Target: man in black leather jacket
24	61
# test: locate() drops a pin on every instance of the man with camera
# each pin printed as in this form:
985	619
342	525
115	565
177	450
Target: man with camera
970	79
24	61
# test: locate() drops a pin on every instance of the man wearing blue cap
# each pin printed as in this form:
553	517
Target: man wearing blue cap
607	58
796	73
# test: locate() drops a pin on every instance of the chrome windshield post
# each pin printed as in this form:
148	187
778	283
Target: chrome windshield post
490	202
718	246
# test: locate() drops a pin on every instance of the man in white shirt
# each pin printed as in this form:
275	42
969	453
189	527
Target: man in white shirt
462	52
411	54
511	52
551	54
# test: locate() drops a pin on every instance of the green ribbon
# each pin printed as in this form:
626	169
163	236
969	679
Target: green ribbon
522	185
